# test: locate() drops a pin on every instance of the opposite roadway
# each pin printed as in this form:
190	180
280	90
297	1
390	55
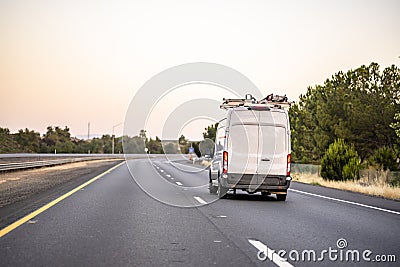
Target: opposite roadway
151	212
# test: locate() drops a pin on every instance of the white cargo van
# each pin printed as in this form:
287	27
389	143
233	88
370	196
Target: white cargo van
252	149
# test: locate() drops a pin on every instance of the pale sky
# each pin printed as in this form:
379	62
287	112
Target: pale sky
74	62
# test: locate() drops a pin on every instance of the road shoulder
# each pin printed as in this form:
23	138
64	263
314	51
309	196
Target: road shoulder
36	188
347	196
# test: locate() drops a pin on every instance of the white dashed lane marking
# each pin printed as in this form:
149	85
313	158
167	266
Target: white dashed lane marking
200	200
266	252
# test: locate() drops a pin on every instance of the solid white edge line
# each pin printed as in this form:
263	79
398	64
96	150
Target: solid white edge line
270	253
179	183
345	201
200	200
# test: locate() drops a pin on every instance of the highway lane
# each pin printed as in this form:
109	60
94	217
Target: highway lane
114	222
173	184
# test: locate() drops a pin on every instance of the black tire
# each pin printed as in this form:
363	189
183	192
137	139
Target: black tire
213	189
221	191
265	194
281	197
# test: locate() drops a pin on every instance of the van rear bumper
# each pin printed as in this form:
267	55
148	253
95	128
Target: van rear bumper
255	182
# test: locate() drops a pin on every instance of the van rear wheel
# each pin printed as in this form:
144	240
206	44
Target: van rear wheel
212	188
221	191
265	194
281	197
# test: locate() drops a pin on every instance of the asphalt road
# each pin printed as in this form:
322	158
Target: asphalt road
159	218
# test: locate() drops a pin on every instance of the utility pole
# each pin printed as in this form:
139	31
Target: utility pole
88	130
113	136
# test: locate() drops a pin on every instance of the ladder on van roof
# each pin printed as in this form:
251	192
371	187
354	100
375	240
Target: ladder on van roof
271	101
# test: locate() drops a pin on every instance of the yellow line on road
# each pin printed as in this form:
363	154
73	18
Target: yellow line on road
16	224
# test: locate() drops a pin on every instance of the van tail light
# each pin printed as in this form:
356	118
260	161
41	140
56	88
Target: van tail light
225	162
289	158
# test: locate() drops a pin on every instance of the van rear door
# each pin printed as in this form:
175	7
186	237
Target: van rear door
243	143
272	144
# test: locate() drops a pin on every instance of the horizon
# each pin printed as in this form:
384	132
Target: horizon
99	135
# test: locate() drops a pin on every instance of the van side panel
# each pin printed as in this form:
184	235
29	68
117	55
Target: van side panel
220	144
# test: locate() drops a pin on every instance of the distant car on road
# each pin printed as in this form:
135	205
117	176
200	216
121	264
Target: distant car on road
252	150
207	157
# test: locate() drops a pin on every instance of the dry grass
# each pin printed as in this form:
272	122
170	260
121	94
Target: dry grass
376	188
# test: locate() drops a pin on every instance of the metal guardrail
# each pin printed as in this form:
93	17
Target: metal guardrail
68	158
40	163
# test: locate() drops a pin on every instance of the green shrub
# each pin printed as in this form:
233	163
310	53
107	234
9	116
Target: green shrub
385	158
340	162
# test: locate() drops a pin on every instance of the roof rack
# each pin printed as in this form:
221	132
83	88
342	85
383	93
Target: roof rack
271	101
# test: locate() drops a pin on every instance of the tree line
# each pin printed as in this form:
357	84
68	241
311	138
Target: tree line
360	108
142	144
59	140
55	140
